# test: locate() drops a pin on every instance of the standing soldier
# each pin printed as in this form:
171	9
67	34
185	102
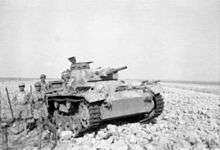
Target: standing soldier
38	103
65	76
22	107
39	108
44	84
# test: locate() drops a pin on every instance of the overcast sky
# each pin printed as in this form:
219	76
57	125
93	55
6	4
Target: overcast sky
156	39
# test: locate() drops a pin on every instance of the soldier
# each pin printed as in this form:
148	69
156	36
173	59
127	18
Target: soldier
38	103
44	84
65	76
39	109
22	108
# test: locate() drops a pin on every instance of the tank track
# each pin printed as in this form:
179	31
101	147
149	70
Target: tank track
95	114
94	118
157	110
159	105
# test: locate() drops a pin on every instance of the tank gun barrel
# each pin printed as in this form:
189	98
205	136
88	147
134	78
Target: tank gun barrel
116	70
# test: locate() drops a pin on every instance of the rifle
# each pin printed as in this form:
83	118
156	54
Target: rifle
29	101
9	102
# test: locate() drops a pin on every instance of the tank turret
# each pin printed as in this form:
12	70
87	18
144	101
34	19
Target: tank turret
109	73
80	72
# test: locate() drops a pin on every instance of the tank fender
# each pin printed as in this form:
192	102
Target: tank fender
148	97
91	97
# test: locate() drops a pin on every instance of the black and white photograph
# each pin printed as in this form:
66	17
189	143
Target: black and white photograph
109	74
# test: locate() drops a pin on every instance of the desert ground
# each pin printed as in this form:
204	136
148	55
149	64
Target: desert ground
190	120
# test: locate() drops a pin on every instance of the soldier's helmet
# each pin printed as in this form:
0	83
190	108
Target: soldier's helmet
21	84
37	84
42	76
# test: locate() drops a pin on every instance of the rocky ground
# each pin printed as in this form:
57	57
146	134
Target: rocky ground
191	120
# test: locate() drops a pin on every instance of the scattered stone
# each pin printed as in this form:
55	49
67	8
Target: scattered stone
119	145
65	135
136	147
132	139
112	128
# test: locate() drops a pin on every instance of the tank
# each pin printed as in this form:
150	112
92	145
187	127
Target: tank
85	98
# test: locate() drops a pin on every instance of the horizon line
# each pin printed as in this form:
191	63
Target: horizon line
161	80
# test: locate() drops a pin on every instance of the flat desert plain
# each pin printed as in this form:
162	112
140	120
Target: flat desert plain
190	120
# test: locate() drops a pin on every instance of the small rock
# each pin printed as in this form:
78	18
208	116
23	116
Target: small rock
103	145
121	130
132	139
65	135
101	135
136	147
200	146
91	135
119	145
150	147
35	148
112	128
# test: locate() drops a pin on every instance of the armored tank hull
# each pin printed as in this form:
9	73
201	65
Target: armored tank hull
95	103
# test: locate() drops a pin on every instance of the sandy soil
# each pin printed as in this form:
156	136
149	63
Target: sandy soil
191	120
204	88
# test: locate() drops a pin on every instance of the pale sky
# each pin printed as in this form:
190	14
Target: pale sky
156	39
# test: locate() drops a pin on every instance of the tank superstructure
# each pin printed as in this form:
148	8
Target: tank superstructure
86	98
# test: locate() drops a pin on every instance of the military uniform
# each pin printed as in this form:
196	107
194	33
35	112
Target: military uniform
39	108
44	86
21	110
21	105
